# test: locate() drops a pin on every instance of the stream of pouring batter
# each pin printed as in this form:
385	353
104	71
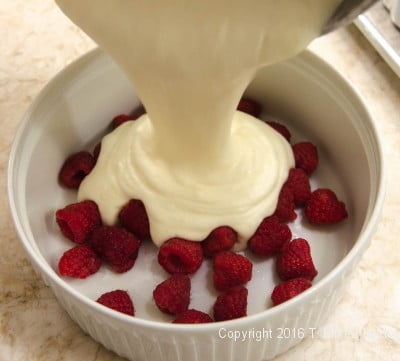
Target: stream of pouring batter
193	160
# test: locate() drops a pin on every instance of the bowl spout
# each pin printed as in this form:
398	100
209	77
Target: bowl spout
347	11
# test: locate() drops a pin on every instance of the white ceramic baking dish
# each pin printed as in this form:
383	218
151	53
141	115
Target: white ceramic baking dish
72	113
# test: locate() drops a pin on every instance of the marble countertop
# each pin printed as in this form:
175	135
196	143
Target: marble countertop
36	42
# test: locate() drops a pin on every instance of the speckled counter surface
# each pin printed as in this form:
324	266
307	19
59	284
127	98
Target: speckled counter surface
36	42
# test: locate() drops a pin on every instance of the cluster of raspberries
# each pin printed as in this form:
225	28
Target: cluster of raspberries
118	246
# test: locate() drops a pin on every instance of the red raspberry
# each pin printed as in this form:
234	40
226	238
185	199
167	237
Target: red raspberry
116	246
173	295
78	220
232	304
138	111
193	316
280	128
75	169
79	262
289	289
249	106
122	118
118	300
180	256
230	270
285	207
324	208
123	267
96	151
133	217
306	156
299	183
269	237
295	261
220	239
